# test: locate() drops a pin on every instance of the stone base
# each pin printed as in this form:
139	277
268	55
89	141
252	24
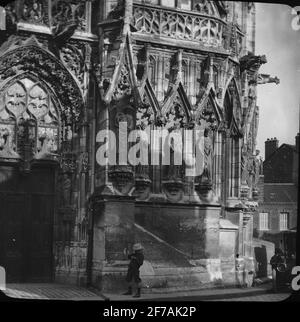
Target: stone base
182	245
73	277
160	277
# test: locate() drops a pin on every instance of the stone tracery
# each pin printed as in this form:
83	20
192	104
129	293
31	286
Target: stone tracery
29	107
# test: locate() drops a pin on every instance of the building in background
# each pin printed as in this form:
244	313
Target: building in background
69	69
276	220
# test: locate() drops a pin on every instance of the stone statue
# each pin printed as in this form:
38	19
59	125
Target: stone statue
208	149
47	146
244	166
7	145
256	169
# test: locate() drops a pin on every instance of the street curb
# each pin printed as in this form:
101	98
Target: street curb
209	297
199	296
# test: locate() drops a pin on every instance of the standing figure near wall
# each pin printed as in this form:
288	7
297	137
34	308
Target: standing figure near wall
244	166
208	150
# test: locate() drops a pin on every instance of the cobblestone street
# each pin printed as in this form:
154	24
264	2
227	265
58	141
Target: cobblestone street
50	291
70	292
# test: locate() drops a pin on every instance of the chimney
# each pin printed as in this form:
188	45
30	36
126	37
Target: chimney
271	145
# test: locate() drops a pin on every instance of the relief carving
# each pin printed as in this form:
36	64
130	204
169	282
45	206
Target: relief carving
34	11
73	60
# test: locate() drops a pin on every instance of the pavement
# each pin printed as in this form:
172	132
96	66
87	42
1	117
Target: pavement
75	293
52	291
262	292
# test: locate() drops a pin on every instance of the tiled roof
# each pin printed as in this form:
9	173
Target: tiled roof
278	150
280	192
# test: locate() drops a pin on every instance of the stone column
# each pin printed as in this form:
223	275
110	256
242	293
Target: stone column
218	164
113	232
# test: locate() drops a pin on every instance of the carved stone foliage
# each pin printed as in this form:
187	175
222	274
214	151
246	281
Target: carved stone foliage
68	163
84	162
208	115
29	120
166	23
176	116
31	59
72	58
144	116
123	89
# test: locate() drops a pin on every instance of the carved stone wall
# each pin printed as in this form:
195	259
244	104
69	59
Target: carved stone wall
155	66
47	94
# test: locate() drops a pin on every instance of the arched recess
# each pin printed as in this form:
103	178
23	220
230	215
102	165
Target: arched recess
39	99
232	142
35	60
232	103
209	119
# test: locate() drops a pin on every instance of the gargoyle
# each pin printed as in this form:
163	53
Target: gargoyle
265	79
63	32
252	62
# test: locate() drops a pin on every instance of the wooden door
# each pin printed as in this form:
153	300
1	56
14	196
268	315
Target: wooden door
26	226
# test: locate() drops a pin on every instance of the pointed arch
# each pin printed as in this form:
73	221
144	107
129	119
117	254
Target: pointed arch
178	97
210	98
29	57
148	92
124	80
36	83
232	103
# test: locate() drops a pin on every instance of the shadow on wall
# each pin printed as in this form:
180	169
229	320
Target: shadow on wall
181	230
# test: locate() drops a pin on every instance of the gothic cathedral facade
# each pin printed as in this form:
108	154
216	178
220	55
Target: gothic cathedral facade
71	69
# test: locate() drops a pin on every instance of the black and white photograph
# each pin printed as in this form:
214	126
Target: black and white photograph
149	152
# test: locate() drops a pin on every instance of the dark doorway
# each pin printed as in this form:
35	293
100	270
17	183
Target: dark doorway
26	223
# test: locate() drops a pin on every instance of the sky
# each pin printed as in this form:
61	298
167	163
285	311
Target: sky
279	104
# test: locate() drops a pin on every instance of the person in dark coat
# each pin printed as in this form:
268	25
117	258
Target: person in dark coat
276	261
133	272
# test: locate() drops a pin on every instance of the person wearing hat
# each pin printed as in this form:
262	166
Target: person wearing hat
133	272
